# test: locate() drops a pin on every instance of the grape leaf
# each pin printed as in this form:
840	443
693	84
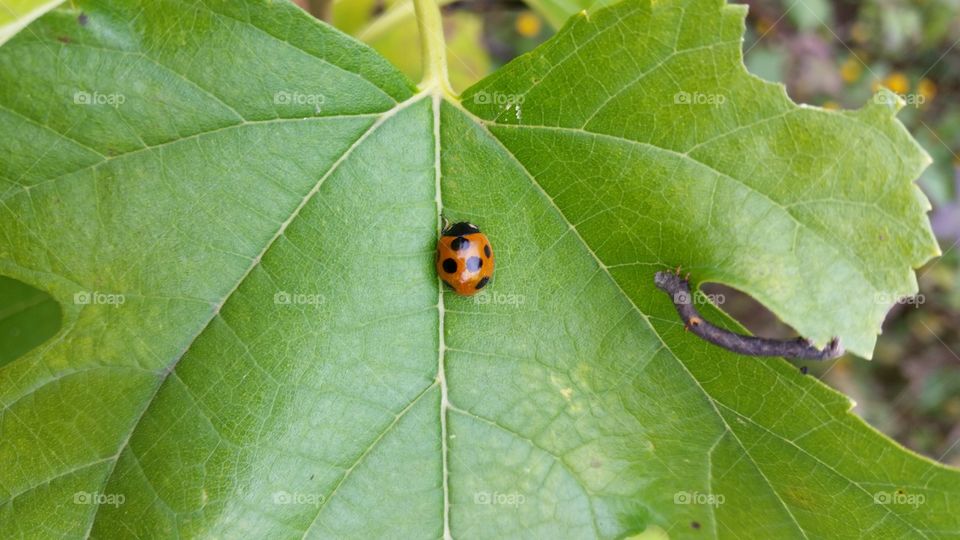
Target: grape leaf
236	207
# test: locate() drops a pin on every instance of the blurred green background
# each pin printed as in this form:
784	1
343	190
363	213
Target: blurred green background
830	54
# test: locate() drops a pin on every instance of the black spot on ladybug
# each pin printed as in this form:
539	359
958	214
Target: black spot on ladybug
482	283
82	19
460	229
486	250
449	266
695	524
474	264
459	243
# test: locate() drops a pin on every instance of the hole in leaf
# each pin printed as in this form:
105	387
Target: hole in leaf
28	317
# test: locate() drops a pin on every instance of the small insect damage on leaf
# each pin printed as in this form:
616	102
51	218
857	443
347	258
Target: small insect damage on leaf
679	291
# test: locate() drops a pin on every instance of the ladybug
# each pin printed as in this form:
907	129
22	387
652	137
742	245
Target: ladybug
464	258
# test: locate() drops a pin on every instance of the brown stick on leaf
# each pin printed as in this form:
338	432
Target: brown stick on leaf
679	291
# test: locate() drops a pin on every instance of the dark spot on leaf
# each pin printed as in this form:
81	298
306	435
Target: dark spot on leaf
695	524
482	283
449	266
63	39
82	19
474	264
37	317
804	370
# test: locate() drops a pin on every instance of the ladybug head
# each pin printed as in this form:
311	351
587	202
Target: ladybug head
460	229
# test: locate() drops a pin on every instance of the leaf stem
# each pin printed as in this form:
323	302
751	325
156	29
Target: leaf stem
433	47
394	15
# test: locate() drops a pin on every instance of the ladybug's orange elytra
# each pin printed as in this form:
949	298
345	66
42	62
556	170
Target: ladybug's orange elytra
464	258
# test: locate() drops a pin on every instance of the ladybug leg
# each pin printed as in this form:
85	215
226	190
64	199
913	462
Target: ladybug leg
446	223
678	270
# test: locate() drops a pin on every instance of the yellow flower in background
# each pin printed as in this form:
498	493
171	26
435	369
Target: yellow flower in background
927	89
898	82
851	69
528	24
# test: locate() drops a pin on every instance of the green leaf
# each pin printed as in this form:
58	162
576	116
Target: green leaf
246	201
16	14
680	161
